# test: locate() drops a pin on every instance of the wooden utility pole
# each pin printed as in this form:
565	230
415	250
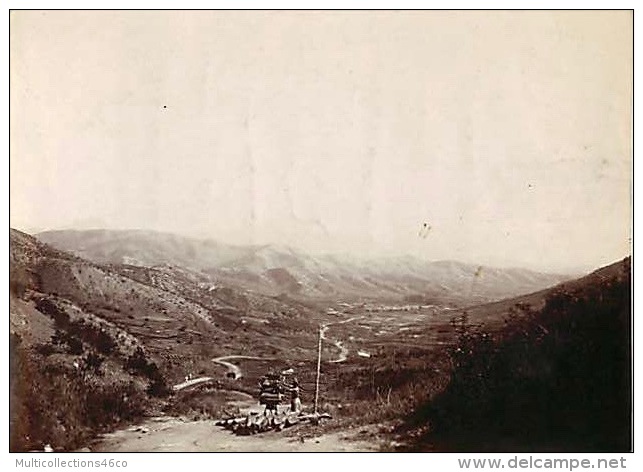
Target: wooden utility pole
318	368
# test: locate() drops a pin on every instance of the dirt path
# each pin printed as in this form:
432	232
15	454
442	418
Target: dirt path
233	368
171	434
174	435
343	351
190	383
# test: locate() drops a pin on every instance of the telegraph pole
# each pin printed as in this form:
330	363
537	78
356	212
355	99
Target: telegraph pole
321	328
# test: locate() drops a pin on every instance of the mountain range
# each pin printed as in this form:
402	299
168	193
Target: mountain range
274	270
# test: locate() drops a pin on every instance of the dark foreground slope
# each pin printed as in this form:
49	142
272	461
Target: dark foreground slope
556	378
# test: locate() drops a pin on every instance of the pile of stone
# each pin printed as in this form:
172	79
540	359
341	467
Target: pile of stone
255	422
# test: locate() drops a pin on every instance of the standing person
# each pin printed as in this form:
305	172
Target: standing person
270	393
295	401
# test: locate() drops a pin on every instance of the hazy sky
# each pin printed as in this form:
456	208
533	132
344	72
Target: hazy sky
508	133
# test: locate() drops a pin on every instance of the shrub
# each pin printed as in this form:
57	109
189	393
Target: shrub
54	404
138	363
68	341
92	363
95	336
18	281
50	308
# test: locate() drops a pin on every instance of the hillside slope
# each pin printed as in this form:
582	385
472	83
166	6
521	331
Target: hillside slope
556	378
129	331
494	315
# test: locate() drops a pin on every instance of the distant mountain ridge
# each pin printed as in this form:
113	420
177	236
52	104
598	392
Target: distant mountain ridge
141	247
274	270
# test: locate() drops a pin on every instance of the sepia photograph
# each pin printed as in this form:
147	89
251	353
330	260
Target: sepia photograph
321	231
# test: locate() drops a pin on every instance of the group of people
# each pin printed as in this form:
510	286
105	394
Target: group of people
272	389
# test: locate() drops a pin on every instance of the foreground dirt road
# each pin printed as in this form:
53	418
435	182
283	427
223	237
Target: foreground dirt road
167	434
171	434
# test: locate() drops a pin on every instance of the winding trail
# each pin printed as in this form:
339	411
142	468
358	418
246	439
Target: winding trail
190	383
235	369
237	373
343	351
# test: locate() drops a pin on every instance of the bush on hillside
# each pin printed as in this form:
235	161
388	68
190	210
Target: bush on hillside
19	281
139	364
51	403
